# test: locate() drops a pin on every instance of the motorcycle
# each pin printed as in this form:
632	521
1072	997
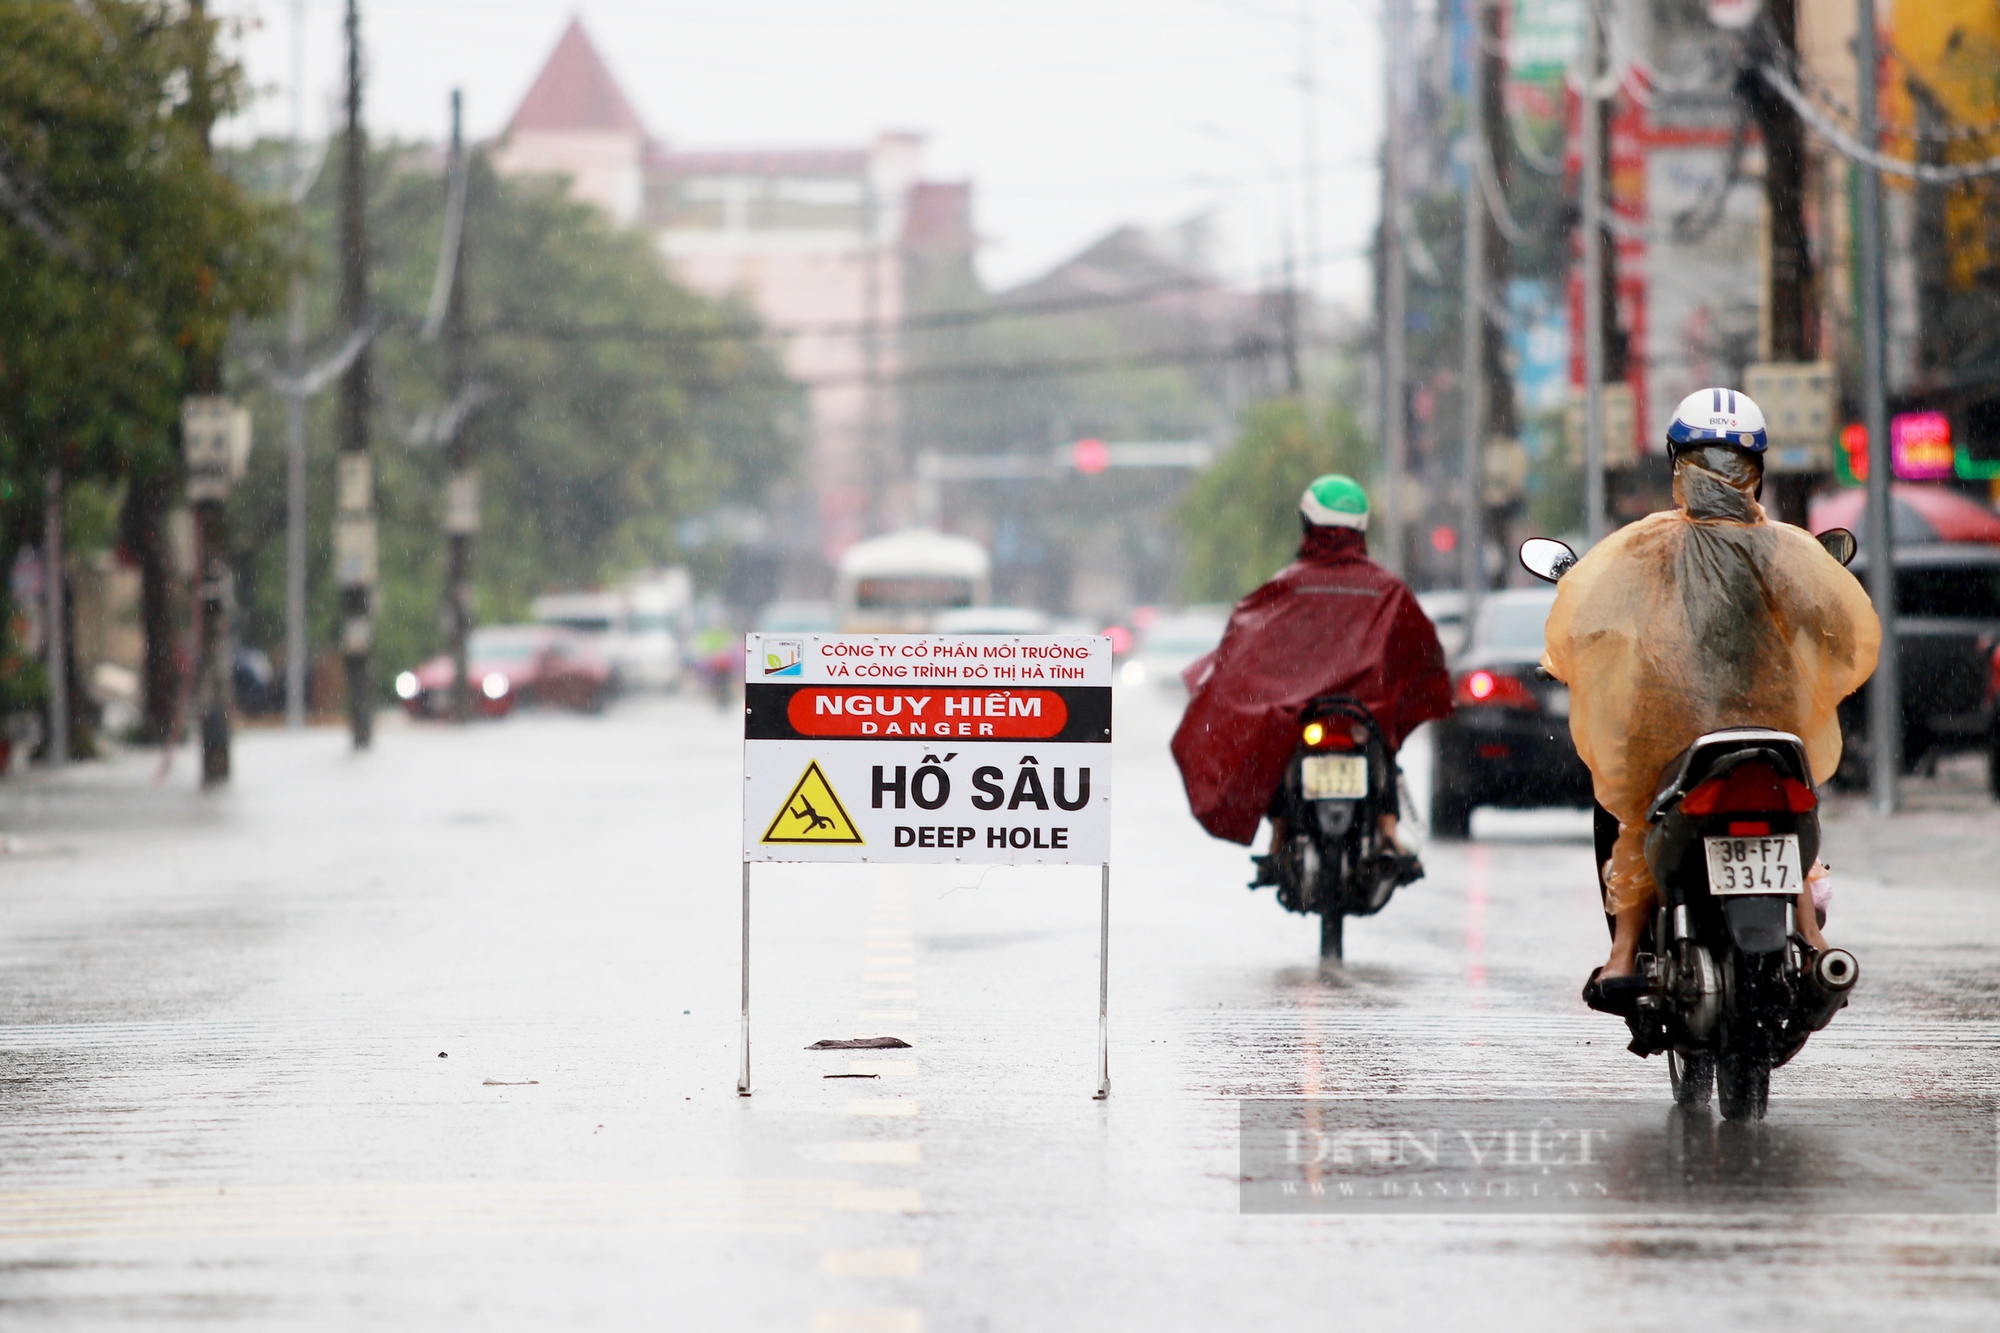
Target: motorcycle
1332	858
1731	990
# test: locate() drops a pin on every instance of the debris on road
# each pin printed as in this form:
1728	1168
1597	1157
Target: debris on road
862	1044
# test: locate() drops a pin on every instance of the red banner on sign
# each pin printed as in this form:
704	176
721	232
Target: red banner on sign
1014	714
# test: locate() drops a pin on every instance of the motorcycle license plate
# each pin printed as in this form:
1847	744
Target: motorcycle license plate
1334	777
1754	865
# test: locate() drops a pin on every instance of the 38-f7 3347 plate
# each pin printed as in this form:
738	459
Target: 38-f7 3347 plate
1754	865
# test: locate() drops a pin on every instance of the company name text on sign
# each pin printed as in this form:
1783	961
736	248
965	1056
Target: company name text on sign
927	748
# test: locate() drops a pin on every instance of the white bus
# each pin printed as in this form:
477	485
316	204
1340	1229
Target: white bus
899	582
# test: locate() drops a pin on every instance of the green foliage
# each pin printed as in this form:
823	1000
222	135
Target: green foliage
1241	520
123	253
617	403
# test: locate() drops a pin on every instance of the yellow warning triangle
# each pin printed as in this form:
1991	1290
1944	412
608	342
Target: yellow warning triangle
812	813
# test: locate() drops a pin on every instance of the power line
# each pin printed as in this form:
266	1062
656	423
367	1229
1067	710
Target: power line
939	320
1850	147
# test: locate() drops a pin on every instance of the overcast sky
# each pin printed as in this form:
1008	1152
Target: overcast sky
1069	116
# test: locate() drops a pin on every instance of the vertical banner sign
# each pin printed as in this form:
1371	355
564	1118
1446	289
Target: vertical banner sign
983	749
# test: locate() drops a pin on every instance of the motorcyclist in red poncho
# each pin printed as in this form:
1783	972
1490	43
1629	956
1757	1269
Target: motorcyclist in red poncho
1333	622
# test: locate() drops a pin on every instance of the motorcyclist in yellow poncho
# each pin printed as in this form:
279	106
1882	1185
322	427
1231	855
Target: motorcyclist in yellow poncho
1701	617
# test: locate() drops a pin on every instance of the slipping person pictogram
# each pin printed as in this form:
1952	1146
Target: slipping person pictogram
812	813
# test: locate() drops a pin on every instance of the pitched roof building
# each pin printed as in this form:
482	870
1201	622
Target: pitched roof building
818	241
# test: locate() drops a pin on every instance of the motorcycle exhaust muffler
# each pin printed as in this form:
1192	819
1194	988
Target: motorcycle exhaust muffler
1828	981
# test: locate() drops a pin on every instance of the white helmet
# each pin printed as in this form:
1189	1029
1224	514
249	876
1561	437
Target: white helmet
1717	416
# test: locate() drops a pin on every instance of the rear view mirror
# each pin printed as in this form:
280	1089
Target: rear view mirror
1839	544
1546	558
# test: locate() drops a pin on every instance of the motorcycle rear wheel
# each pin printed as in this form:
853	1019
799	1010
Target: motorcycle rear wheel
1331	933
1694	1078
1742	1082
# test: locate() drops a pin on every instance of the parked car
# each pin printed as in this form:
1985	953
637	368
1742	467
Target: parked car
1171	644
1948	627
638	644
1446	609
1507	740
513	666
657	603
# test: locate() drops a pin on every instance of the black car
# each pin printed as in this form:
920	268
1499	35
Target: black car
1948	627
1507	740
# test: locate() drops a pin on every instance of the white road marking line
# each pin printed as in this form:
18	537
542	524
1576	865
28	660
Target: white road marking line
886	1068
872	1263
899	1106
887	978
868	1321
437	1207
888	995
905	1153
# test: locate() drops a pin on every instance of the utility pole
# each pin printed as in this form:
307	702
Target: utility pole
354	538
209	493
295	426
1885	721
1472	332
1591	110
1308	174
461	517
1395	298
56	639
1288	321
873	465
1788	295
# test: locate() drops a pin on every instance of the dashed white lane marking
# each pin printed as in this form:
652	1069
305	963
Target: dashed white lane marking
872	1263
437	1207
888	978
868	1321
908	1153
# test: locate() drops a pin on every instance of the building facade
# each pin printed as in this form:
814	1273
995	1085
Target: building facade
817	242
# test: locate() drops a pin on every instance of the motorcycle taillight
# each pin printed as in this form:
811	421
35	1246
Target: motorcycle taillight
1334	734
1749	787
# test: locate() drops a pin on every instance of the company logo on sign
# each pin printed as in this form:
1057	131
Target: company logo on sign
996	714
784	657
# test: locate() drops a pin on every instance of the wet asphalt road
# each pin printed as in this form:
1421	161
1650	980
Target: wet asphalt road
445	1036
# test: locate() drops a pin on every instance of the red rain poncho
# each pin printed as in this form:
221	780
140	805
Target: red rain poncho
1331	622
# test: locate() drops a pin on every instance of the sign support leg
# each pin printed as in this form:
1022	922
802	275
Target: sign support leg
1103	991
743	1071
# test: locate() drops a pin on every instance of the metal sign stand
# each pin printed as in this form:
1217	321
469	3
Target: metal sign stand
1104	990
827	714
743	1072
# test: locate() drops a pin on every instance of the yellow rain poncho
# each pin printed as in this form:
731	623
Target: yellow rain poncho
1692	620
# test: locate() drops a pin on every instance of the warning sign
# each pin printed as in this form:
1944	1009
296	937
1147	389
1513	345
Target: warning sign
982	749
812	813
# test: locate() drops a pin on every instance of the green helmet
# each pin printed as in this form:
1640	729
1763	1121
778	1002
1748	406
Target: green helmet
1334	501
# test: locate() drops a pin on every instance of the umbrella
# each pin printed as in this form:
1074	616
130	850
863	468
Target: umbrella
1922	514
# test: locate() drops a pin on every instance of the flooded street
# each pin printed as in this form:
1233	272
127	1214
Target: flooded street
446	1036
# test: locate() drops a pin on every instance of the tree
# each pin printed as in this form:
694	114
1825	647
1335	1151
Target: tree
1241	519
615	404
123	256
